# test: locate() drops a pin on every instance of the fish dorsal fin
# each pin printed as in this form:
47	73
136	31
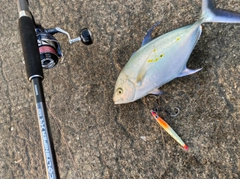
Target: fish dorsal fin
133	54
148	37
146	65
188	71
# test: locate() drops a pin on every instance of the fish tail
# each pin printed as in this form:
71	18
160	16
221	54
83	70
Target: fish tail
212	14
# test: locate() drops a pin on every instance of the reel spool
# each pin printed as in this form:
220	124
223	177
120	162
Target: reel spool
49	47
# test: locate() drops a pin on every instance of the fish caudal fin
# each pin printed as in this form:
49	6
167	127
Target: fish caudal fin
212	14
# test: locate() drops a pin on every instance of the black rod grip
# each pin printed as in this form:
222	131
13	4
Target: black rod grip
30	48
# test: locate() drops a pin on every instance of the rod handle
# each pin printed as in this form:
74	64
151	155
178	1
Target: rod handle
30	48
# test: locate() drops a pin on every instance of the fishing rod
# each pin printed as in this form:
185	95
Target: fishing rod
42	50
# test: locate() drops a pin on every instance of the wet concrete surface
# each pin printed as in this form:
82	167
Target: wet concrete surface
94	138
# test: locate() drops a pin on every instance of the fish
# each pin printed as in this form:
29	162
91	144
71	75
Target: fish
164	58
169	130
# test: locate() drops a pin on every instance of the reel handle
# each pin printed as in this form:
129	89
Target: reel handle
86	36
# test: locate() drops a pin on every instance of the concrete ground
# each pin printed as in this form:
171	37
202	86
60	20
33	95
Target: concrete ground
93	137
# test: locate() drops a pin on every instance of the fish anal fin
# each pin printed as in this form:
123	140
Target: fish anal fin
156	91
188	71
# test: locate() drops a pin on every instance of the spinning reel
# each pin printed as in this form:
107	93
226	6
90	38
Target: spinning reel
49	47
37	40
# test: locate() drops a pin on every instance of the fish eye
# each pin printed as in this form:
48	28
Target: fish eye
119	91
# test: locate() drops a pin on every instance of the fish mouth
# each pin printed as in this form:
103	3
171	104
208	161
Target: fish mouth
122	101
118	101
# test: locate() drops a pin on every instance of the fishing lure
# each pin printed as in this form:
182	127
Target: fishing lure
163	59
169	130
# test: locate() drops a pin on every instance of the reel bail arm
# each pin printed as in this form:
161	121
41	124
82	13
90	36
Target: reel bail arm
85	35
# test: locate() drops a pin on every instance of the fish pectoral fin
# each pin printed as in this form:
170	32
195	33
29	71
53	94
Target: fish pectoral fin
146	66
156	91
140	77
142	72
148	37
188	71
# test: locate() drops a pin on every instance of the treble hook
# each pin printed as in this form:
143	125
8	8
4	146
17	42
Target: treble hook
176	114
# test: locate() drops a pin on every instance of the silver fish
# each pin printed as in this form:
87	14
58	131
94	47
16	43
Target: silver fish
161	60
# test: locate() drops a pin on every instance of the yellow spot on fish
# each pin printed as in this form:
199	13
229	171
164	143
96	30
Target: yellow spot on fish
178	38
154	50
153	60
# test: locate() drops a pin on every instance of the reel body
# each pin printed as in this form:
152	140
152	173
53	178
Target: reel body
50	49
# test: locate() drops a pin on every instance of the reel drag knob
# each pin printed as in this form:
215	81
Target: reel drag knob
86	36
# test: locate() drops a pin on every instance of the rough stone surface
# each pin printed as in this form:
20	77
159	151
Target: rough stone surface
93	137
